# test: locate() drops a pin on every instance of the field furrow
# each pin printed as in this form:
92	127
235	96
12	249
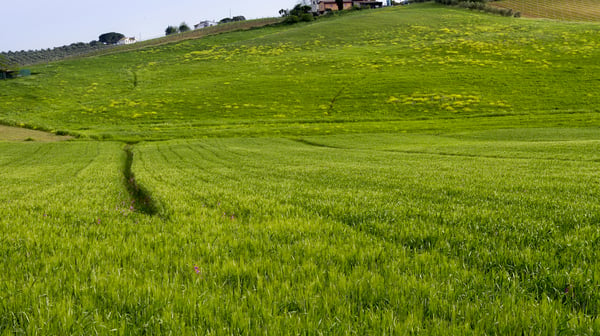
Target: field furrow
575	10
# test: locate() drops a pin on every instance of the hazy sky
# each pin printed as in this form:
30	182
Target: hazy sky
37	24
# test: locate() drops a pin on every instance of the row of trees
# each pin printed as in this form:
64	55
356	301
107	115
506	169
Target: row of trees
25	57
12	59
6	64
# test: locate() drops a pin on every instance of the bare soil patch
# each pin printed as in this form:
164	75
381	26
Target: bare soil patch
8	133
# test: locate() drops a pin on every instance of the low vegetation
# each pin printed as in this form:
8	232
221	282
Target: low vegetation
420	169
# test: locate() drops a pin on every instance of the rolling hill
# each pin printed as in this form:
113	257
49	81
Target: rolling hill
411	170
345	74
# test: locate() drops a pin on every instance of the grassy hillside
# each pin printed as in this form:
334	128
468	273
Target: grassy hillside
572	10
78	50
427	68
412	170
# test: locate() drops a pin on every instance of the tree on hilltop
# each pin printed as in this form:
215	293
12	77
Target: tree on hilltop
110	38
171	30
299	13
183	27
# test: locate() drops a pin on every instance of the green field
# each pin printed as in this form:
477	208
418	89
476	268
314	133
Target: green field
412	170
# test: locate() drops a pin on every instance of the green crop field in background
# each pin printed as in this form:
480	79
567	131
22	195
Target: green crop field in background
572	10
412	170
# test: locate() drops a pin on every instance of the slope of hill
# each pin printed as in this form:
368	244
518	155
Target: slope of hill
78	50
570	10
394	69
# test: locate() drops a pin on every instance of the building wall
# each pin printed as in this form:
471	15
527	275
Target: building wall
325	5
126	40
205	24
331	5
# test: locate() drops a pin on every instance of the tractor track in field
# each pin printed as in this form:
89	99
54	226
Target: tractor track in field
142	200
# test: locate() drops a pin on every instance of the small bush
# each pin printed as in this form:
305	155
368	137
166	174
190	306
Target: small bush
291	19
307	17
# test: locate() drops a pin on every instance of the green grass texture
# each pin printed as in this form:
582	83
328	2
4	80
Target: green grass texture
417	170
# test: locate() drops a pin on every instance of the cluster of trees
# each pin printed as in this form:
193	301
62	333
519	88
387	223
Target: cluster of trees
233	19
110	38
297	14
183	27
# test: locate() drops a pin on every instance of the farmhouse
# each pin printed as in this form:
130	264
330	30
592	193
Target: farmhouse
205	24
126	40
322	6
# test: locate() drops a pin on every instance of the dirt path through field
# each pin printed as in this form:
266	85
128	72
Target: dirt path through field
8	133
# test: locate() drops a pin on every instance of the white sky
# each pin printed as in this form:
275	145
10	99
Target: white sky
37	24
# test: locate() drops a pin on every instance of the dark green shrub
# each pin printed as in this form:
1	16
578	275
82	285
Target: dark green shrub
171	30
307	17
291	19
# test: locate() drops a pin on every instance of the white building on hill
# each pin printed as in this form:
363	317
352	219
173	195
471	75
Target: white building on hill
126	40
205	24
